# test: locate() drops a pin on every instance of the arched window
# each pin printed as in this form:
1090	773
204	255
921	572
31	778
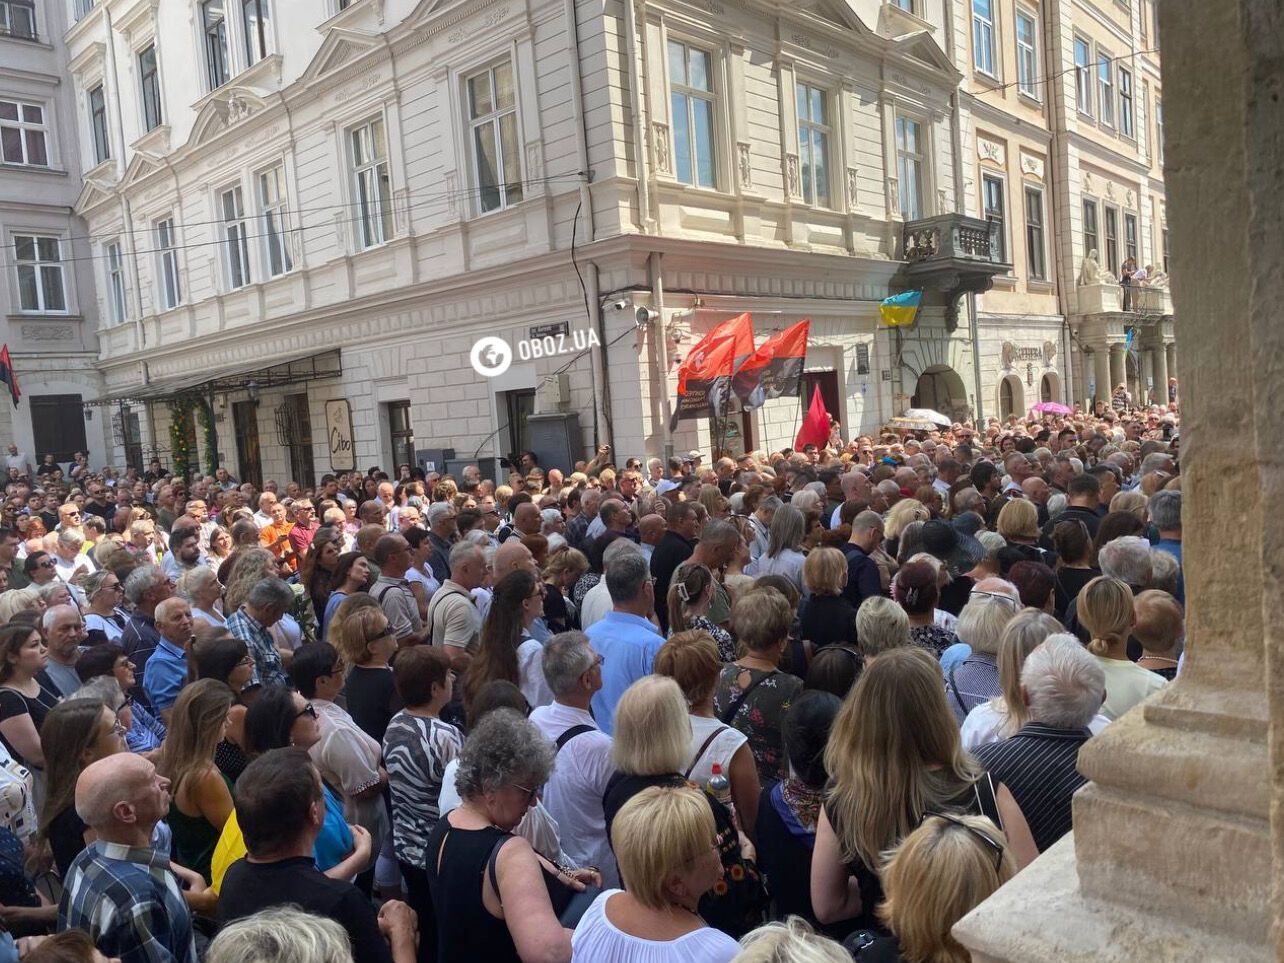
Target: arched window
1005	397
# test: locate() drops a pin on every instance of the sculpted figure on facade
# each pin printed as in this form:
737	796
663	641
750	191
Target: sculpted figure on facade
1090	271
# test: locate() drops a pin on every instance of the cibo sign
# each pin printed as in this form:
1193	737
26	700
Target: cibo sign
338	431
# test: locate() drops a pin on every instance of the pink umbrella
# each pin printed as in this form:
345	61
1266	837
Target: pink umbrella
1051	408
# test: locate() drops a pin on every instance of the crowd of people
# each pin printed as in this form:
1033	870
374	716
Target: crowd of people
808	705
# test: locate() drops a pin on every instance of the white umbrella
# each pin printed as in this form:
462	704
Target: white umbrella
927	414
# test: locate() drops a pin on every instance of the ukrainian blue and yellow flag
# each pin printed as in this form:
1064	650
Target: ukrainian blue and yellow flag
899	310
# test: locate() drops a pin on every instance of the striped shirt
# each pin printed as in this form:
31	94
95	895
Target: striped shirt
971	682
1038	767
416	751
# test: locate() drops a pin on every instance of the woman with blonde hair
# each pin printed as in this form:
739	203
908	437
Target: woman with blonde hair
881	625
14	601
201	587
650	747
1133	502
1105	608
824	617
1002	716
563	570
784	547
904	512
361	635
691	660
690	596
1018	523
793	941
662	840
974	679
893	757
715	503
940	873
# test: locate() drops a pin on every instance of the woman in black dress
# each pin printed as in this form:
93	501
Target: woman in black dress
24	701
359	631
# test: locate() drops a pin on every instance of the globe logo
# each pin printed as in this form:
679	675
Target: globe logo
491	357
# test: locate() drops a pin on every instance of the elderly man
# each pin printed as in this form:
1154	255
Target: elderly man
573	794
69	518
577	526
625	638
166	671
760	522
443	523
391	590
453	622
64	632
305	527
145	588
613	516
18	461
526	521
1165	513
198	512
69	561
651	529
276	536
597	601
120	890
264	517
267	601
719	543
1038	492
1034	771
674	549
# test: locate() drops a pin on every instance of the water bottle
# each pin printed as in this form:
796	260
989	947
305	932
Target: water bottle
720	786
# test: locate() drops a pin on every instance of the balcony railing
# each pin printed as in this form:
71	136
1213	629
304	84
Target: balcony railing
1110	297
951	236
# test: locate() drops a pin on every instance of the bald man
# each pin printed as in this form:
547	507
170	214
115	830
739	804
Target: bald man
855	487
120	890
651	529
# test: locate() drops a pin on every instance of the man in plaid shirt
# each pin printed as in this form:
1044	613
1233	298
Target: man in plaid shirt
120	890
267	601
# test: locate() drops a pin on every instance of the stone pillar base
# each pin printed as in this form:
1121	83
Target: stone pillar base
1042	915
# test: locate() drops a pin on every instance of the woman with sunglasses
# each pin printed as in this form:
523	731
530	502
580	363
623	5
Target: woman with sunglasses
279	718
507	650
360	632
104	620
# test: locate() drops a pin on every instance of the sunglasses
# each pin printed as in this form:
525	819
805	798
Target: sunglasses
994	845
307	710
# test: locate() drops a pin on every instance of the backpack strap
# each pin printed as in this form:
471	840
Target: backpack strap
572	732
704	747
989	803
730	711
954	690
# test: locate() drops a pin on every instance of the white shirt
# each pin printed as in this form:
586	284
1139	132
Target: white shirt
530	673
597	940
1126	684
537	827
66	569
574	792
788	563
597	603
425	579
724	745
20	461
941	486
595	528
349	760
986	724
262	520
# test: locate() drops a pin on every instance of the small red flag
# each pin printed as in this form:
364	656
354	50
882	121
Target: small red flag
815	424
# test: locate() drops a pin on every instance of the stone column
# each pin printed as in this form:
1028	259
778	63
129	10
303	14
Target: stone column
1118	369
1101	366
1177	851
1171	351
1161	374
1147	376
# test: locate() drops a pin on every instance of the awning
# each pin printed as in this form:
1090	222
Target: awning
292	369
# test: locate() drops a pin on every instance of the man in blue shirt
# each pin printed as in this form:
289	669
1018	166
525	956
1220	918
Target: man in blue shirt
1165	512
626	639
166	670
863	578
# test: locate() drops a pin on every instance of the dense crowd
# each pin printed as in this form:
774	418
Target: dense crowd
793	706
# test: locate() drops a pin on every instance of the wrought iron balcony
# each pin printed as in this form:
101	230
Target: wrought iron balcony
954	254
1110	297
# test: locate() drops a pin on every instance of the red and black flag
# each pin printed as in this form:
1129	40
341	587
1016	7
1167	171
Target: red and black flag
704	378
9	376
775	369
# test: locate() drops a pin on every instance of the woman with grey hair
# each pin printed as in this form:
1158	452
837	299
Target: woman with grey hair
784	547
481	875
282	934
200	586
981	623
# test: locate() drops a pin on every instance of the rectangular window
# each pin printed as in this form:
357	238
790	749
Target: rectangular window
401	432
171	290
370	183
983	36
1112	263
214	28
58	425
1106	88
906	5
234	236
1125	103
1164	233
1083	75
492	113
80	8
18	19
813	144
256	28
1091	243
1036	260
150	83
41	285
1159	131
98	124
276	241
1130	236
993	204
22	134
909	167
691	93
1027	55
116	282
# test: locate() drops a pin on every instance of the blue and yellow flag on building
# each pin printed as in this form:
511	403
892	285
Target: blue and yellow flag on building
899	310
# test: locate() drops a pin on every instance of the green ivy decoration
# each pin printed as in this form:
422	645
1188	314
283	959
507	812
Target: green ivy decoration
178	435
211	440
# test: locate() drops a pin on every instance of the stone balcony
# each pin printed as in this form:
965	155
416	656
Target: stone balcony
953	254
1108	298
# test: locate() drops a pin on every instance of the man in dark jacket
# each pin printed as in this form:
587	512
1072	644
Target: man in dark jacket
674	549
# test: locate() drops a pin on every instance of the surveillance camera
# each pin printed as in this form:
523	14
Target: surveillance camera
620	305
645	316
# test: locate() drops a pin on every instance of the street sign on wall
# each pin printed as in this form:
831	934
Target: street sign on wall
338	430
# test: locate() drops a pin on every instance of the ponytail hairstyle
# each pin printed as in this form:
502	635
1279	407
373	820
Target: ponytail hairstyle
1105	608
689	583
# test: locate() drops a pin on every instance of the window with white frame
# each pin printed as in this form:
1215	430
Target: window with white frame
1159	130
272	208
171	288
214	34
1091	243
983	36
909	167
235	237
1083	75
493	138
370	183
993	207
906	5
116	282
1106	88
1130	236
256	30
693	105
23	136
1027	55
1125	103
1035	251
1164	233
41	283
80	8
813	144
1112	262
98	124
149	83
18	19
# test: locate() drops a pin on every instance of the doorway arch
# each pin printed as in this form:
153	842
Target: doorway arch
1011	397
941	388
1050	388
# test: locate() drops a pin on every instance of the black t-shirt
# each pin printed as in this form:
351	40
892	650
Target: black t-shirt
66	839
250	887
1070	582
14	703
955	595
371	699
827	620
